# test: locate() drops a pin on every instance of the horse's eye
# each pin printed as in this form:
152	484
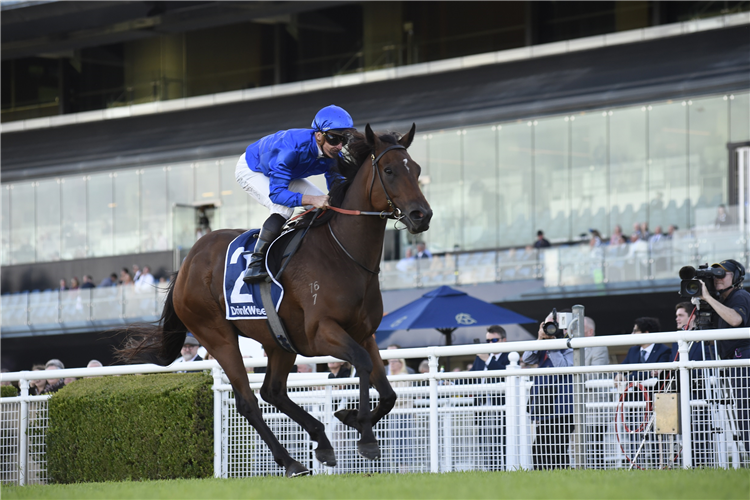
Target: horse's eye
388	171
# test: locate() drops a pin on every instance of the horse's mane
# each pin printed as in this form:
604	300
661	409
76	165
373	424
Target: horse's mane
347	165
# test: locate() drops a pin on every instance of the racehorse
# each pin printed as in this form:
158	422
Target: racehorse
332	302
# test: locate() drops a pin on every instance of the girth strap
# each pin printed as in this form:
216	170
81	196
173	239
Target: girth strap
275	325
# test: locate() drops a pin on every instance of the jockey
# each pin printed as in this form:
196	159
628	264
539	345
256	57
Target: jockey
273	170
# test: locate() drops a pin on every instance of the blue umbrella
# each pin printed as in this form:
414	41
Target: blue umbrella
447	309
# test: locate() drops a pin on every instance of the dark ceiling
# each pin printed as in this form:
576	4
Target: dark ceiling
686	66
59	27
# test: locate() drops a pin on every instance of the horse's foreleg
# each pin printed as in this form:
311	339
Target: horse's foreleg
332	339
378	380
275	392
230	359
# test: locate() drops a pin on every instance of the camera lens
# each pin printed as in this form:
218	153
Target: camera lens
550	328
693	288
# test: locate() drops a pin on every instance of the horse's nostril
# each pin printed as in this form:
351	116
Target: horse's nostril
416	215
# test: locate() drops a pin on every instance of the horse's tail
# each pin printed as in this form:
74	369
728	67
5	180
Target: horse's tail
160	343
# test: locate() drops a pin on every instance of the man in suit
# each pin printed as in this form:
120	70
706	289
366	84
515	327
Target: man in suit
646	353
491	427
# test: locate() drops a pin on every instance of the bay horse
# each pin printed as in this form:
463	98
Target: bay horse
332	302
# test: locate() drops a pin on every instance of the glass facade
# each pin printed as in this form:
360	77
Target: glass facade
490	186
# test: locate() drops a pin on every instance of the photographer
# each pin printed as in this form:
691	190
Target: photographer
551	405
733	309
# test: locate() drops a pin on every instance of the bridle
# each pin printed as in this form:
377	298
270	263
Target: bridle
395	212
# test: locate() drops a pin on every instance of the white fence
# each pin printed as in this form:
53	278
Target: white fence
660	415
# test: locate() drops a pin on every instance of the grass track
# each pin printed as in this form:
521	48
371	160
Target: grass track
585	484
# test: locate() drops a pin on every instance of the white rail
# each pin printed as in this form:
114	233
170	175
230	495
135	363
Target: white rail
455	421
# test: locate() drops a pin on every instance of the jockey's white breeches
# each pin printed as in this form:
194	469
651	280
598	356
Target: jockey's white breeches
257	185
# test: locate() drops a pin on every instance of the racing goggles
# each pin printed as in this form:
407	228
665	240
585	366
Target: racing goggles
335	139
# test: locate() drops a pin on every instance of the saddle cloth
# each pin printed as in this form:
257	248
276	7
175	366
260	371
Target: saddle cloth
241	301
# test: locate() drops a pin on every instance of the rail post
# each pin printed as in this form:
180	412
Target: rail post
218	422
433	363
687	444
512	420
579	359
23	441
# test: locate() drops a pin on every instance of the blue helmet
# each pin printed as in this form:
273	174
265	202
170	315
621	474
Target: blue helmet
332	118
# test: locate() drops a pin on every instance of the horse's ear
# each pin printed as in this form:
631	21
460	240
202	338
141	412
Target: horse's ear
405	141
370	135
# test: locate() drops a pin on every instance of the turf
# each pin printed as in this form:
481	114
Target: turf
584	484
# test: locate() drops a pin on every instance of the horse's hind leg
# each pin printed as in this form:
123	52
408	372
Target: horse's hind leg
229	357
378	380
274	391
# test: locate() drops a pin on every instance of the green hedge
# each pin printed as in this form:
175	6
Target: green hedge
131	428
8	391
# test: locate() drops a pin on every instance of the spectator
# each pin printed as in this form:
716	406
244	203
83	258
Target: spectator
550	405
491	423
685	321
110	280
145	281
670	231
36	387
125	278
74	284
656	239
645	353
340	369
63	285
388	368
722	217
596	238
495	361
422	252
645	234
88	281
136	272
305	368
616	237
189	350
424	366
94	363
637	235
54	385
594	355
541	241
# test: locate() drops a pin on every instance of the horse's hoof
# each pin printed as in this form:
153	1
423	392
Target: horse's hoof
326	457
370	451
296	470
348	418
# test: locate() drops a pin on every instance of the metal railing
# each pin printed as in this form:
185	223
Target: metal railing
680	414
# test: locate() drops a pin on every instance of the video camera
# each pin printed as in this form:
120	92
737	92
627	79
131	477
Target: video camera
560	322
690	286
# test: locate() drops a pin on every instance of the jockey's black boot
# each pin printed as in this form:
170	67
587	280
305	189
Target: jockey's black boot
256	268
